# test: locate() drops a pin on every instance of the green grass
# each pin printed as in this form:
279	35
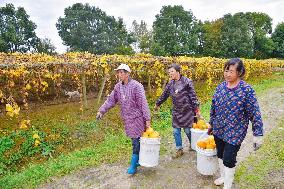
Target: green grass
63	128
255	170
112	149
87	143
275	81
267	164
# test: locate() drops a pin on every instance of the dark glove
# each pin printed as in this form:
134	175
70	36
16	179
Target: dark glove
195	119
209	131
257	142
256	146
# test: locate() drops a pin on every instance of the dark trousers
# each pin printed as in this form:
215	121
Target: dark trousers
227	152
135	145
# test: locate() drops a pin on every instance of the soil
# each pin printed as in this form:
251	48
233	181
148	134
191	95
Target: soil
171	173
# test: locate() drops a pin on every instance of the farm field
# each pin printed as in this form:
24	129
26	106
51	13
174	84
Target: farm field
89	87
89	143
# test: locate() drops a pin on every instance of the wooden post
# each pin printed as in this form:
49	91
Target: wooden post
149	85
102	89
84	89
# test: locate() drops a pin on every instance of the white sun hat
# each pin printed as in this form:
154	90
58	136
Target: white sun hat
123	67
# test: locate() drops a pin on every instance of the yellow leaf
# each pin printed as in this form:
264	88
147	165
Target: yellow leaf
24	124
28	87
17	110
37	142
11	114
35	136
9	108
44	83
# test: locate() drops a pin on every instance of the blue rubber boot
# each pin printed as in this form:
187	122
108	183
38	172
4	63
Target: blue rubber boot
133	165
137	164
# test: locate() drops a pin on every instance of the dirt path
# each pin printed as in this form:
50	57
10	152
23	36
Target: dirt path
177	173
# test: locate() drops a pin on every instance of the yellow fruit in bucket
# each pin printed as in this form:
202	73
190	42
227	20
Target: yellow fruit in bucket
149	130
145	135
203	127
201	122
201	144
154	134
210	146
207	143
211	139
150	133
207	140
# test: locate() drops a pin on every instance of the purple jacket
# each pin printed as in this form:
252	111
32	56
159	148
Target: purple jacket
134	108
231	111
184	99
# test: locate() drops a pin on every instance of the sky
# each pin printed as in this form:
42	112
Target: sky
45	13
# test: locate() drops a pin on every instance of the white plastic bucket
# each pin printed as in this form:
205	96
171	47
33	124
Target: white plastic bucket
149	152
195	136
207	163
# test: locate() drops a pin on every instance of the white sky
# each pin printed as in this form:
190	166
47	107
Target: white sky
44	13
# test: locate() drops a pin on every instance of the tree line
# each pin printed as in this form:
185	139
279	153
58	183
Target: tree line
175	32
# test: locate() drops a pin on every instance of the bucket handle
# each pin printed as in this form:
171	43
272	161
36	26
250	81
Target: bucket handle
201	136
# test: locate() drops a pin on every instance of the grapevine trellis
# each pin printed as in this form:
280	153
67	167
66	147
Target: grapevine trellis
27	79
37	77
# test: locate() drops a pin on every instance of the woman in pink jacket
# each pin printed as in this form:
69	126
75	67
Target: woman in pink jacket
130	94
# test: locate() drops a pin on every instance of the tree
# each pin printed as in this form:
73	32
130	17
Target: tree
45	46
263	46
17	32
175	32
122	39
260	25
278	39
142	36
200	37
86	28
236	38
212	38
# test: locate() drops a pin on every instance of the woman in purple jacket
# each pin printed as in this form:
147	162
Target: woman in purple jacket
130	94
185	105
234	104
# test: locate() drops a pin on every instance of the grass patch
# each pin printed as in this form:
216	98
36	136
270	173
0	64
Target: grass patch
265	168
110	150
85	143
260	86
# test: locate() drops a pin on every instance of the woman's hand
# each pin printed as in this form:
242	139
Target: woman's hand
148	124
257	142
209	130
198	113
157	107
99	116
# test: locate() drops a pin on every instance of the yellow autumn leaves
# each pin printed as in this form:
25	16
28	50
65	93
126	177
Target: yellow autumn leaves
24	124
35	73
37	139
12	110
